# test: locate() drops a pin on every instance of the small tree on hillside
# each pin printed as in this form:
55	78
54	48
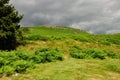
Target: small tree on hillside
10	33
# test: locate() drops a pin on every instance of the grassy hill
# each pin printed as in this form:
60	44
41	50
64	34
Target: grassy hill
62	53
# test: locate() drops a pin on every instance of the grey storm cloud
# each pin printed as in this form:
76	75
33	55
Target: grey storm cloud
94	16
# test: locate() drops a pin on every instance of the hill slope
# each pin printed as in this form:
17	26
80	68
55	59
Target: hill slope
86	56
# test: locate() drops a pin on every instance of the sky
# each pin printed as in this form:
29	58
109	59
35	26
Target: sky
94	16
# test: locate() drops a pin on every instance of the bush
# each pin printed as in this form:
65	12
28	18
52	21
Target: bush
78	55
21	65
14	61
94	53
19	61
22	55
1	72
54	55
47	55
76	52
1	62
112	54
36	59
8	70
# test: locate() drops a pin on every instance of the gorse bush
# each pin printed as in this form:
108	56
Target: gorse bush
92	53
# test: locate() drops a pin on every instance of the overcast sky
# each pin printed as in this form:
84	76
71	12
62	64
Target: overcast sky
95	16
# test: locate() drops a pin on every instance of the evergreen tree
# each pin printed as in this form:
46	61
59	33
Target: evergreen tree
10	33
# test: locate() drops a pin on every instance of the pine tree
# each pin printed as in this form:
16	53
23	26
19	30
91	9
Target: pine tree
10	33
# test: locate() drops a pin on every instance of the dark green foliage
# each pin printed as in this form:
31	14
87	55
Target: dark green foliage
94	53
10	33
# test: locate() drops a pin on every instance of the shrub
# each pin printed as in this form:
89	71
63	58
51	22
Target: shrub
1	72
1	62
14	61
112	54
78	55
48	55
53	55
94	53
8	70
76	52
21	65
36	59
22	55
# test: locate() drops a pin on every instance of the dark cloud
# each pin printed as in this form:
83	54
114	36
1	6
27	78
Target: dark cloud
95	16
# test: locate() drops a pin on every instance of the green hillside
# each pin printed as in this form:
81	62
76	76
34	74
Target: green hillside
62	53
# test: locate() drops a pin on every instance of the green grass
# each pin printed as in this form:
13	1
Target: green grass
84	56
72	69
48	33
